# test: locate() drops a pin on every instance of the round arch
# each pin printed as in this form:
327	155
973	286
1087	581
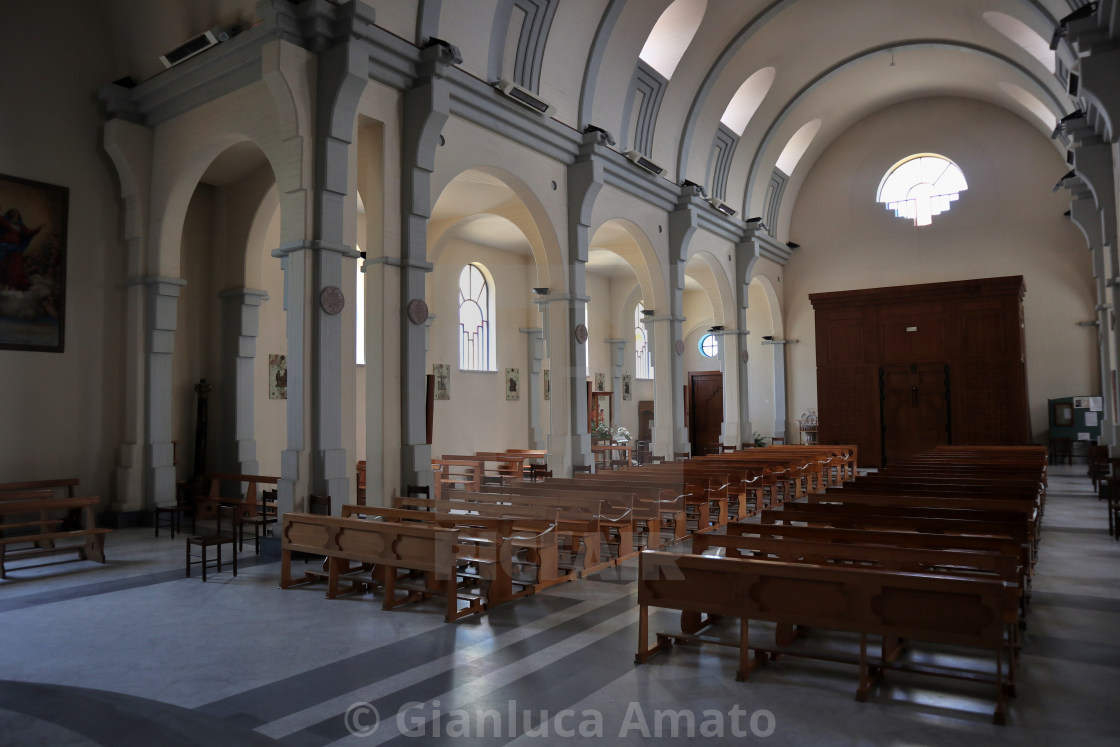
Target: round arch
526	211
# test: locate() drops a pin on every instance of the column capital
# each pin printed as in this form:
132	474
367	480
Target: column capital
315	245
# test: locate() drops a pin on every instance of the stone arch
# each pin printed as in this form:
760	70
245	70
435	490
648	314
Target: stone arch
527	212
644	261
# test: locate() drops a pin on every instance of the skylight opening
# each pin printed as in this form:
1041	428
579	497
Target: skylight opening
1031	104
797	146
1024	36
746	100
671	36
920	187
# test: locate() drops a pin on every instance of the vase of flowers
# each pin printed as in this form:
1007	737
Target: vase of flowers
621	435
602	433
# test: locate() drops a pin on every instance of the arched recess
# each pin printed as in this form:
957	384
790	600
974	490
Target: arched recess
225	238
763	320
491	219
488	190
620	273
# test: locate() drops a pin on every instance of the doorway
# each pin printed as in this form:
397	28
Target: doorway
914	412
705	408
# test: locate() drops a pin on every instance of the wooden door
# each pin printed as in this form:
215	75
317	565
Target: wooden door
705	411
915	409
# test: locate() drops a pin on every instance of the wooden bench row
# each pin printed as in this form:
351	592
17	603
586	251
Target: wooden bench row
943	568
42	517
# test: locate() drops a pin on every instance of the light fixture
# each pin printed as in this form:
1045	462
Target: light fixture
716	328
540	291
1067	176
525	97
758	220
721	206
452	50
647	312
793	245
596	128
698	187
641	161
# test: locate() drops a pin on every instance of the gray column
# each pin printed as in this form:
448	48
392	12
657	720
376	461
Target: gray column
163	301
532	384
733	361
618	352
670	432
585	180
240	327
426	109
780	414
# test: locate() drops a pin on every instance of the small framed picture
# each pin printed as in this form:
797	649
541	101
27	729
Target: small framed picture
513	384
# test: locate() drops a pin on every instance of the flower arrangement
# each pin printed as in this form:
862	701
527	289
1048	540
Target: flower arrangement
602	431
621	435
759	439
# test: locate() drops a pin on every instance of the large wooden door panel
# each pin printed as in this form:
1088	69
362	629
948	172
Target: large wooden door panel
973	326
915	409
706	411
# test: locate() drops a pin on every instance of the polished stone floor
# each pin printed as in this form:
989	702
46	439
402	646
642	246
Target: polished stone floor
134	653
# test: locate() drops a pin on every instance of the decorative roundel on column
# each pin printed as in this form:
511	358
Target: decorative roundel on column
581	333
332	300
746	356
417	311
680	347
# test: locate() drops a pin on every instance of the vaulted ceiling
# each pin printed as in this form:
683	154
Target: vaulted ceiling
829	64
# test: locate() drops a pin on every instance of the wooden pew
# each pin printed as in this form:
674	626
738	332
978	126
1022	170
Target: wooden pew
388	548
586	521
490	540
658	503
457	474
626	514
580	528
16	508
954	610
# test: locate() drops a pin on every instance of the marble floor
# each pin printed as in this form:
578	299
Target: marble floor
134	653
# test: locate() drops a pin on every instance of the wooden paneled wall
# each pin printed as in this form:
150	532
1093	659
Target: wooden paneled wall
972	330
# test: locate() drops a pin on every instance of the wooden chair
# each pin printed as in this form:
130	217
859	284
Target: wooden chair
581	469
654	459
319	504
361	482
777	440
258	516
172	516
417	491
1100	467
1061	448
681	456
727	449
205	541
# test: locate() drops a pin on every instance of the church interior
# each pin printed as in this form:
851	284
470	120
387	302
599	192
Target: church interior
672	282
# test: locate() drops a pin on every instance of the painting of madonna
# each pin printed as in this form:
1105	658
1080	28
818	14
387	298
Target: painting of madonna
32	264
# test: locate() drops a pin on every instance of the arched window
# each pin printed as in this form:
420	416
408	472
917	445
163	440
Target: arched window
709	345
746	100
920	187
671	35
476	309
797	146
643	366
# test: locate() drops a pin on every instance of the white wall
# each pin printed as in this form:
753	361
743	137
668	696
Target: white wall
270	416
1008	222
478	417
62	411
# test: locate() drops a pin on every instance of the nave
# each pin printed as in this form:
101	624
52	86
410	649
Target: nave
133	652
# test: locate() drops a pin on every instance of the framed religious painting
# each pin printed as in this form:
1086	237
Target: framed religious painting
32	265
